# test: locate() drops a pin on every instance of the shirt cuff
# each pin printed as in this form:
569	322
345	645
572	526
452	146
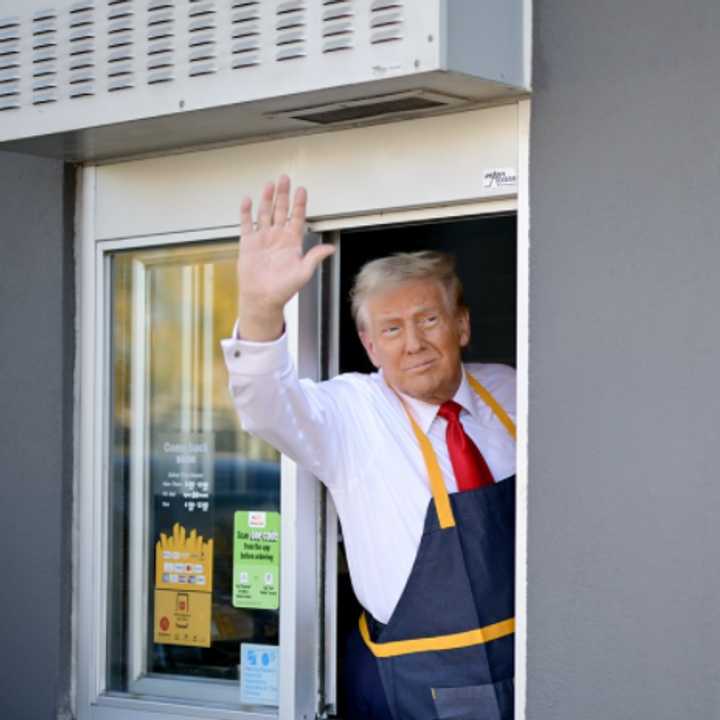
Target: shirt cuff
244	357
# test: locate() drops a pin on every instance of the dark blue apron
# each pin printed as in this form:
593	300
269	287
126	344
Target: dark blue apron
447	652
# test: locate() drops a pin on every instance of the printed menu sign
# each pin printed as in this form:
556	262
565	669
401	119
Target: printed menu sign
183	618
256	560
182	482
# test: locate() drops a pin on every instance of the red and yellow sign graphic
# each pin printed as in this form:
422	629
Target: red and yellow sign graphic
183	618
183	588
183	562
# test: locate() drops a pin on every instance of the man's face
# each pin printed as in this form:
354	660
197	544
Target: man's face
416	338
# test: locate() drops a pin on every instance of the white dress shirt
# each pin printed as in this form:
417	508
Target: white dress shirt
353	434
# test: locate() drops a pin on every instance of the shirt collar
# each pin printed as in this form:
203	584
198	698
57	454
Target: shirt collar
424	413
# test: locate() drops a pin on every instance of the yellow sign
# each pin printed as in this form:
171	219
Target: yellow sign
183	562
183	588
183	618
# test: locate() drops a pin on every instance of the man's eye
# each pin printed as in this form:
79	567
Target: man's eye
390	330
431	319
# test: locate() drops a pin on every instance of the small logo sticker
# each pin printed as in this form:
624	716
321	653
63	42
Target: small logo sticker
499	178
257	519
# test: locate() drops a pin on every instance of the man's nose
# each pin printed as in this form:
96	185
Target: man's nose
413	340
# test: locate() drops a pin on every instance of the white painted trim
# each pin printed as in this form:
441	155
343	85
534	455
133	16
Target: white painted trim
137	242
138	560
117	707
329	582
358	171
84	605
288	520
299	620
87	558
523	340
420	214
321	225
100	446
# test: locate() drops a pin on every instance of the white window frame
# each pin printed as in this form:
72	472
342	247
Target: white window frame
298	628
331	229
299	492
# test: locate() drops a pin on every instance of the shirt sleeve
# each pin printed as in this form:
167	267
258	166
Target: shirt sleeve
300	418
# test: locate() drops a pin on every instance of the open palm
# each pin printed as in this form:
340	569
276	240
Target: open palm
271	266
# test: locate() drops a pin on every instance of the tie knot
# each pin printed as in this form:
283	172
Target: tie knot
450	410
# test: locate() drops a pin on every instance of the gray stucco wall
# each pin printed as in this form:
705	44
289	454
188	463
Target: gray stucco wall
36	359
624	538
624	578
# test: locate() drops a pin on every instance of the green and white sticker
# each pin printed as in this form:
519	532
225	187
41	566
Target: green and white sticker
256	560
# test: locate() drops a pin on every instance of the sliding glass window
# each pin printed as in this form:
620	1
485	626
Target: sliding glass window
194	532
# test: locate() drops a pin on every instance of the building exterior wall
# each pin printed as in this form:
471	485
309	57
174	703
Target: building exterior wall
623	578
624	497
37	340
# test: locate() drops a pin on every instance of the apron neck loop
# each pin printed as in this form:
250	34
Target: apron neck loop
443	508
494	405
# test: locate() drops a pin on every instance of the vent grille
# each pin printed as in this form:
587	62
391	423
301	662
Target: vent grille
290	25
69	49
161	41
372	108
202	23
82	49
9	63
120	65
387	22
337	24
245	33
45	57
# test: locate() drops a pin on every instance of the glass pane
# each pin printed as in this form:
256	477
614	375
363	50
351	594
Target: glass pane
191	581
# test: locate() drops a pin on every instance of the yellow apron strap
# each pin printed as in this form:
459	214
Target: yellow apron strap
495	406
437	484
439	642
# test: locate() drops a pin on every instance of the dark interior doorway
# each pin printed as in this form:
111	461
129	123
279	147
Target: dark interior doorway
485	248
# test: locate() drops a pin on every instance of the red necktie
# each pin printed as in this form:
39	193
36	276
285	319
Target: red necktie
471	470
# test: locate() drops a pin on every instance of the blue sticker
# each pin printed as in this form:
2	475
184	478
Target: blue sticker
259	674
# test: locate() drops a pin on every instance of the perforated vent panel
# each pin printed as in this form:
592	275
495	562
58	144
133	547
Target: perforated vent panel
82	42
386	21
69	66
89	48
10	63
202	44
338	20
160	41
121	46
44	57
291	30
245	23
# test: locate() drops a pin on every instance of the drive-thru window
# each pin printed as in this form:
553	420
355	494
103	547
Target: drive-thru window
214	576
210	573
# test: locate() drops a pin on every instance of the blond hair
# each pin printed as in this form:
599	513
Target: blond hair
387	272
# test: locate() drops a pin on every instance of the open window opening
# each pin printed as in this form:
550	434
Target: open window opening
485	248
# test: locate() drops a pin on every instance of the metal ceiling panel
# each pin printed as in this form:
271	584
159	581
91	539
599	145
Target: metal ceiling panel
87	81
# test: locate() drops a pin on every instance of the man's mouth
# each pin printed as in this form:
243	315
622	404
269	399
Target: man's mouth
420	367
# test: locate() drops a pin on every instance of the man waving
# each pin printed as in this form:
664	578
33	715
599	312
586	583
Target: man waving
419	457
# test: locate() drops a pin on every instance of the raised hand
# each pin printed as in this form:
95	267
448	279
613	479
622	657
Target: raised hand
271	266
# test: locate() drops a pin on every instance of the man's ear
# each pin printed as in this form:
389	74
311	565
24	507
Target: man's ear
369	346
464	326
